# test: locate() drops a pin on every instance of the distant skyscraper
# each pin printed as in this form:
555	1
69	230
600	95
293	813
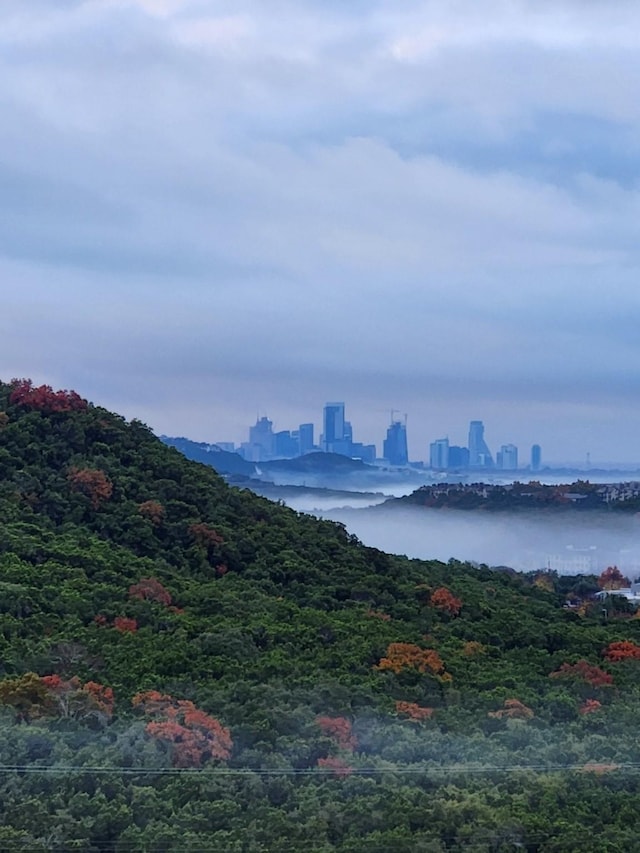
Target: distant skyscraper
261	444
458	457
536	457
394	448
287	446
305	437
439	454
507	457
479	453
334	426
366	452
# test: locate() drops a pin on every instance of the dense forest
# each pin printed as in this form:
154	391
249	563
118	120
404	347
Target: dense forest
187	667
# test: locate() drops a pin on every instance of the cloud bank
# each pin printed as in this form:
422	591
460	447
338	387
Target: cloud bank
211	209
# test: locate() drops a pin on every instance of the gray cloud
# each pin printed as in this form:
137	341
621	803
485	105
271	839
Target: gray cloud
245	207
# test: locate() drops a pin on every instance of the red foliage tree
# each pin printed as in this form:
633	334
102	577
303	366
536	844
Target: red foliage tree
599	768
336	766
589	706
194	736
93	483
622	650
443	599
205	535
153	510
125	625
413	711
150	589
612	578
338	728
44	398
584	671
403	656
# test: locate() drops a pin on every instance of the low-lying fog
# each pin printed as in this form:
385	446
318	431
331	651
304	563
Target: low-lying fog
569	543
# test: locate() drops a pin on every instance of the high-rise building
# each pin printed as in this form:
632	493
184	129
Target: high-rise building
439	454
287	446
305	438
333	427
479	453
458	457
365	452
394	448
261	444
536	457
507	457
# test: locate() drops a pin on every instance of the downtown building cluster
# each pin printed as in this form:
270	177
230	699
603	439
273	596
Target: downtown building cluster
446	457
337	437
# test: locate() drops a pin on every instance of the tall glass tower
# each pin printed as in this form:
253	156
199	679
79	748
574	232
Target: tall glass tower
479	453
334	427
395	444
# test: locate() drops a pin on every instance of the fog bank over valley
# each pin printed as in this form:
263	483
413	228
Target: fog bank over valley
570	544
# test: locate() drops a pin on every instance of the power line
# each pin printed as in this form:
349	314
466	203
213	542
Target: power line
585	767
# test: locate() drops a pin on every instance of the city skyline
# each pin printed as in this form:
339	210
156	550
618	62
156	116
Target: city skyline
337	436
502	452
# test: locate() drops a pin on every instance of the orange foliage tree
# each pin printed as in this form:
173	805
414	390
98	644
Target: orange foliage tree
407	656
378	614
413	711
338	728
472	648
93	483
584	671
193	735
150	589
443	599
612	578
622	650
513	709
153	510
125	625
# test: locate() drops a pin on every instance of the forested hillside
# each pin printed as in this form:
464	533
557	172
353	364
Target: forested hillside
186	666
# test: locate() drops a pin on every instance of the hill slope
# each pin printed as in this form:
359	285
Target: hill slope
156	622
210	454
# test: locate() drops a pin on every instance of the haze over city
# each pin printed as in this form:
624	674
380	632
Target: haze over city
214	209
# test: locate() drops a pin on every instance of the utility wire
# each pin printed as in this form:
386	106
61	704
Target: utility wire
585	767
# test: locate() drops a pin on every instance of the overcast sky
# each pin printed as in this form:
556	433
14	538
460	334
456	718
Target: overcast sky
214	209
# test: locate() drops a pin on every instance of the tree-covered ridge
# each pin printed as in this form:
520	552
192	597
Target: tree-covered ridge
156	623
532	495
